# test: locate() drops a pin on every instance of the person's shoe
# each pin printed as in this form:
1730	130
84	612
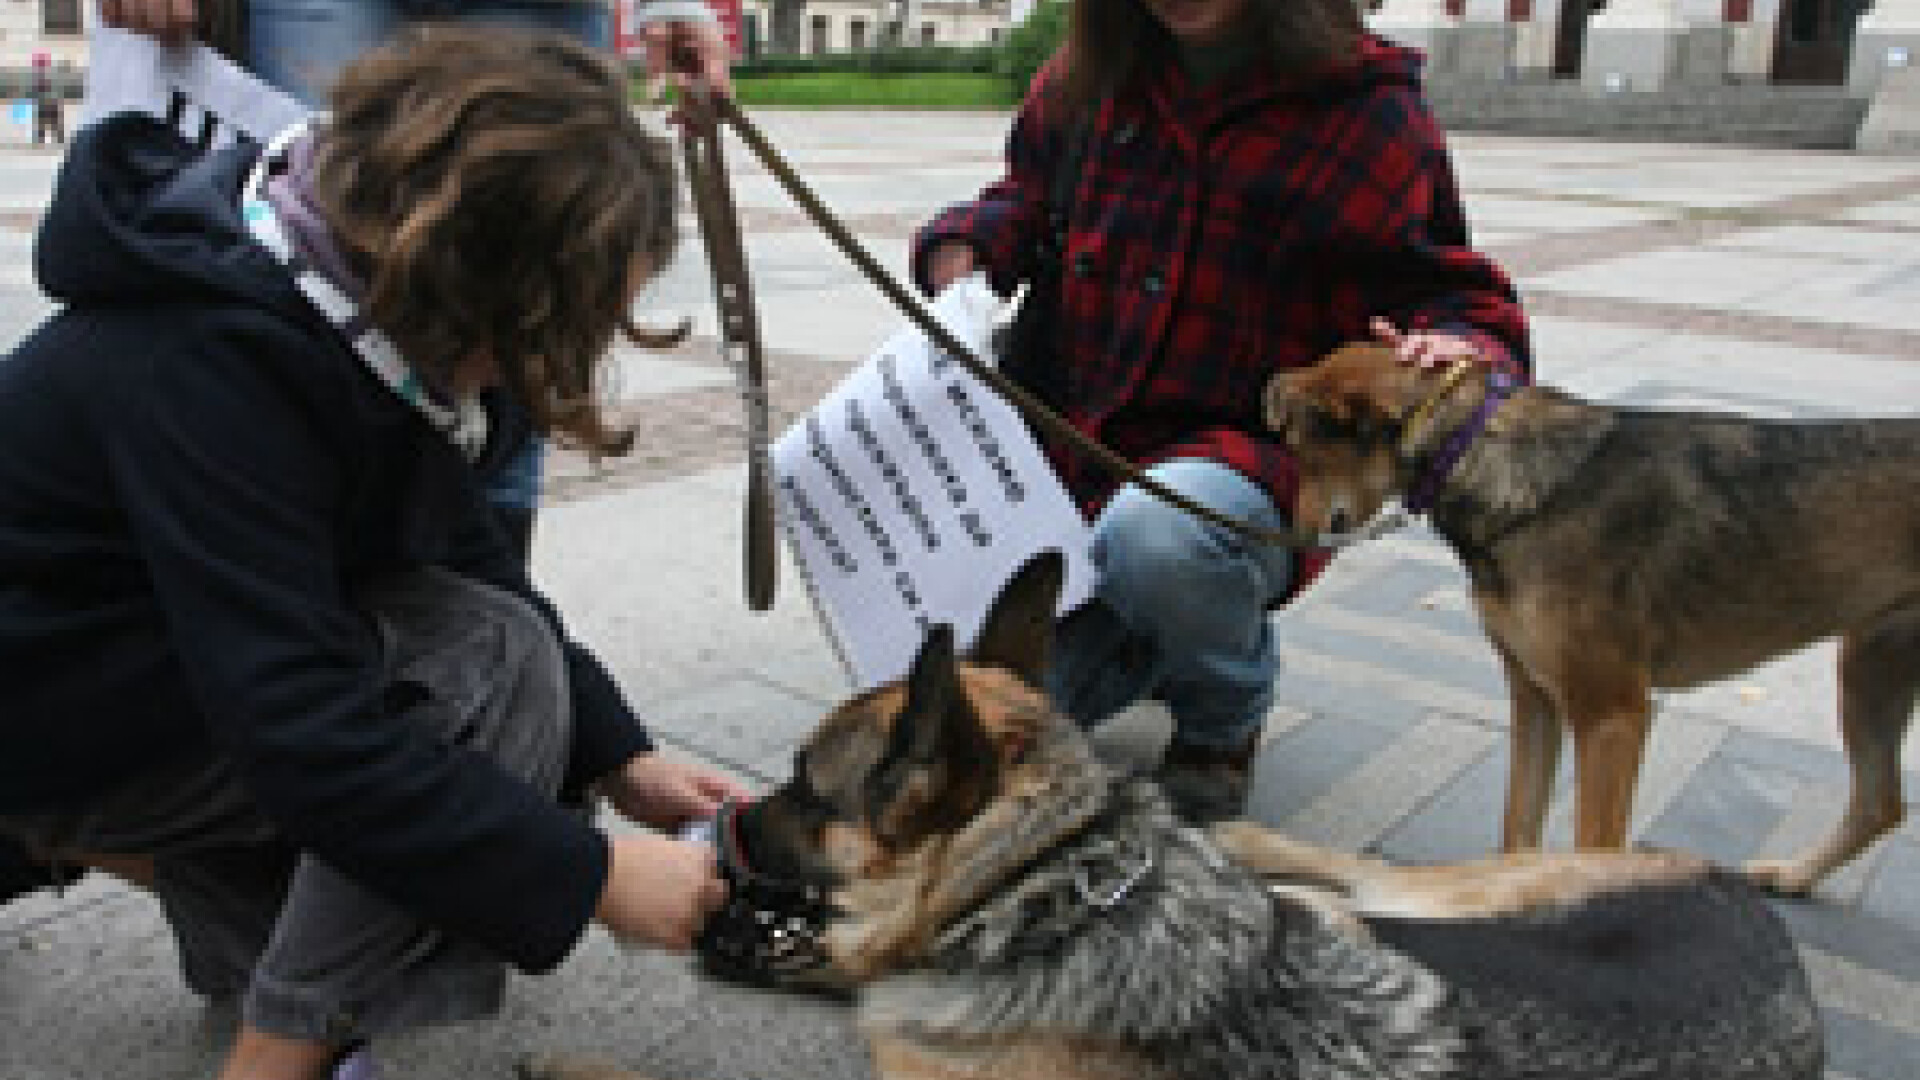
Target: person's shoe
1206	784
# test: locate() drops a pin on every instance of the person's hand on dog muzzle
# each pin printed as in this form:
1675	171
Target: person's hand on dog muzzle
652	790
659	891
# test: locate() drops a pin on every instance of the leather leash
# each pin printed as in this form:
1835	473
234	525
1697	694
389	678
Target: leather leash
740	341
719	108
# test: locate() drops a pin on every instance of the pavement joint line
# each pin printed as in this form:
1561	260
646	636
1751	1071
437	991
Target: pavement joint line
1683	226
1863	991
1709	321
1392	784
1281	721
1401	631
1485	711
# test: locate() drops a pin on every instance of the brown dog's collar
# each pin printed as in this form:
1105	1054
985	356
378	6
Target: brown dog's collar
1453	377
1426	490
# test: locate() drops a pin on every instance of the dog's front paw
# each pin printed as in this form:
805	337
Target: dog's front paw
572	1067
1781	877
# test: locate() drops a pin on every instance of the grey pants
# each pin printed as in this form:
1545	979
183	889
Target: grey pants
311	954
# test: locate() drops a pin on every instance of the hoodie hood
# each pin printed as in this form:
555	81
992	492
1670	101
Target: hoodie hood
141	215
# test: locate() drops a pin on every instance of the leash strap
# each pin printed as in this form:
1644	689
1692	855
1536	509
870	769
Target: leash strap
740	341
727	111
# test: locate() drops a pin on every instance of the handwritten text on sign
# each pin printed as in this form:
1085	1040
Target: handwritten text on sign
912	492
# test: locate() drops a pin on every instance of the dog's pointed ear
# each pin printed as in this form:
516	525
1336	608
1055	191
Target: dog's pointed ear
1018	630
933	685
939	766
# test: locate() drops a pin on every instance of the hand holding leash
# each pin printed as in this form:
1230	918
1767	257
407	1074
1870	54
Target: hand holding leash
687	54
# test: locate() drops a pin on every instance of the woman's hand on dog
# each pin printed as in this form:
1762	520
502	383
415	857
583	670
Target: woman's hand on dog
652	790
659	891
1426	348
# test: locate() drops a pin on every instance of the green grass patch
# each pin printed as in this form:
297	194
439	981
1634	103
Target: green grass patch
831	90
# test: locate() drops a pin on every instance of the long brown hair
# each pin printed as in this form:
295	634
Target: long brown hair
499	194
1109	40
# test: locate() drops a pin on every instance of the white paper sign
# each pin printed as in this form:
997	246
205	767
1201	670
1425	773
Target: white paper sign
192	86
912	492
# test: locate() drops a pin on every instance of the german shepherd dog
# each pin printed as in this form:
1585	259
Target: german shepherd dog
1007	905
1613	551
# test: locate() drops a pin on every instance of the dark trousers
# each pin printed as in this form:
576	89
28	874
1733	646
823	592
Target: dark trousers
309	952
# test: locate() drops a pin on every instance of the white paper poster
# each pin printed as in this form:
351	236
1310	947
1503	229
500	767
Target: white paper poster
192	86
912	492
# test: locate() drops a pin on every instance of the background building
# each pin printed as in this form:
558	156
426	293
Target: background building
840	25
49	33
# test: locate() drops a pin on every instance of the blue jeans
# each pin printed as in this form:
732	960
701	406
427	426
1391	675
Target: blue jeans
300	45
1180	611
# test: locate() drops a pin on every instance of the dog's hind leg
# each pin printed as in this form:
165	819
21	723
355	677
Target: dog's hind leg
1534	756
1879	684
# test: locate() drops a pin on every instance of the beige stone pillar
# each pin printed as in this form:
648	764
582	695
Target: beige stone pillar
1486	41
1888	36
1634	45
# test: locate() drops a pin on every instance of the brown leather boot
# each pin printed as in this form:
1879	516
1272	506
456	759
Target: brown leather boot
1206	784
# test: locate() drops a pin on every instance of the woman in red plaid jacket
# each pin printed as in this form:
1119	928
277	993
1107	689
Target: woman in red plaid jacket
1253	183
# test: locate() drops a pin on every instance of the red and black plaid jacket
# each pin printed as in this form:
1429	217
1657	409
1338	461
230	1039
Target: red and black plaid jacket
1221	233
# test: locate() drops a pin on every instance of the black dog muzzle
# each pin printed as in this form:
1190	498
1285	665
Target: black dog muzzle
768	933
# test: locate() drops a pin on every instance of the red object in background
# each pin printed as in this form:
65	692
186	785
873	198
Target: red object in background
729	12
41	59
732	21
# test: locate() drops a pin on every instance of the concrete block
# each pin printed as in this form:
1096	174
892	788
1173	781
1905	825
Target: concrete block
1483	51
1886	40
1631	58
1892	124
1706	54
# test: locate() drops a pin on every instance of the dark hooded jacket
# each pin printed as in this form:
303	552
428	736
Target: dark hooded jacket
197	477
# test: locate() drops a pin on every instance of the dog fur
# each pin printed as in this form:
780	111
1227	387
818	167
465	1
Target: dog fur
1615	551
1011	907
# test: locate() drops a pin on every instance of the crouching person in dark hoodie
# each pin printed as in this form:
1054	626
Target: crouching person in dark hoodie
263	645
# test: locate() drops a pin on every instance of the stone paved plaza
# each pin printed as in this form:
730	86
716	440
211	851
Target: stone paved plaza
1769	282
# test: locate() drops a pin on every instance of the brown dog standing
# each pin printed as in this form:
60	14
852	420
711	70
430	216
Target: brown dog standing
1614	551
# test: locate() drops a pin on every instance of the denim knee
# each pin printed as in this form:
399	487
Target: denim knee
1173	575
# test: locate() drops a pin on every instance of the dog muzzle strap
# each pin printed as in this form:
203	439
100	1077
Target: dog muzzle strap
770	928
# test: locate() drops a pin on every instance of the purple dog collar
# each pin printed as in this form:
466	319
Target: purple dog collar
1420	499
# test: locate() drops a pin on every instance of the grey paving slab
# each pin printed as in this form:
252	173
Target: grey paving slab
744	722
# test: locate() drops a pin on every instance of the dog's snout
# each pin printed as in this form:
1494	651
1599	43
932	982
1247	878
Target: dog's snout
1340	521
